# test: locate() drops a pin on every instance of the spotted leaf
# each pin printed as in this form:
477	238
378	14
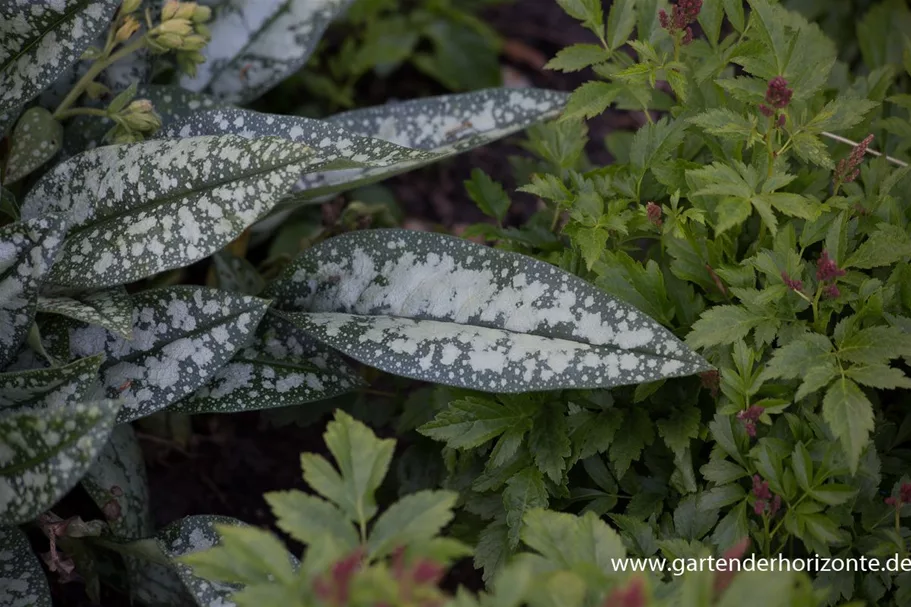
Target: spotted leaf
442	126
283	367
39	40
8	204
7	120
256	45
27	250
51	387
330	140
35	140
139	209
46	452
22	580
109	308
442	309
236	274
181	337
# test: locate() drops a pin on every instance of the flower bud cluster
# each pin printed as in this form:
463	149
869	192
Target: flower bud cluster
183	31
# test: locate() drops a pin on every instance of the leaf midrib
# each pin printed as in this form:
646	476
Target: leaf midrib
66	16
65	444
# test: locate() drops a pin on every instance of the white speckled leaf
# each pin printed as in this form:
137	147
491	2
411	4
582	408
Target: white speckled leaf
236	274
194	534
443	126
35	140
40	39
109	308
283	367
330	140
27	250
118	477
46	452
50	387
443	309
22	579
256	45
181	337
139	209
7	120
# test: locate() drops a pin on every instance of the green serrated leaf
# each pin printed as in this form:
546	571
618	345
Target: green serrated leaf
850	416
306	518
524	491
577	57
620	22
443	309
414	518
573	542
889	244
722	325
590	100
46	452
488	194
549	441
472	421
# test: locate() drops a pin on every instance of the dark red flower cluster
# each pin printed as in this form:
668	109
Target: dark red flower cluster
654	213
765	501
827	270
631	595
684	13
848	168
792	283
904	496
777	97
749	418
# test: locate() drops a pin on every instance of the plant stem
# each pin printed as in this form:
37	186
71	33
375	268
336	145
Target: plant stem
93	72
85	111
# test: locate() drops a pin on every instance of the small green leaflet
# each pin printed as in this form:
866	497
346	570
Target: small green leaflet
27	251
181	337
36	139
283	367
46	453
849	413
40	40
571	541
49	388
108	308
22	579
438	308
139	209
443	126
256	45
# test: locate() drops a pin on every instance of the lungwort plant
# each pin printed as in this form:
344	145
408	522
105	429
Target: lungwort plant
114	183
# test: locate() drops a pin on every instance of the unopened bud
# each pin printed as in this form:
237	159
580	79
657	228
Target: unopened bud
129	27
181	27
130	6
186	10
194	43
140	106
203	31
169	9
169	41
201	14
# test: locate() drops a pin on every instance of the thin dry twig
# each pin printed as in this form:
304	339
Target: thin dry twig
841	139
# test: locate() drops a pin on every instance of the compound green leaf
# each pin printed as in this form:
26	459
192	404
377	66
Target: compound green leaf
181	337
40	40
52	387
36	139
849	414
443	126
571	541
27	251
472	421
416	517
22	579
256	45
283	367
139	209
524	492
46	452
108	308
442	309
307	517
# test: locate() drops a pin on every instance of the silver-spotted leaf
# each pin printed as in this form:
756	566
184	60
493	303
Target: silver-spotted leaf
27	251
332	142
236	274
443	126
283	367
7	120
46	452
439	308
181	337
109	308
36	139
139	209
22	579
256	45
51	387
40	39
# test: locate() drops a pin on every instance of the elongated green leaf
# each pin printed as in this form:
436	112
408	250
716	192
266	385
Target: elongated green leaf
445	126
333	142
255	45
442	309
49	388
108	308
39	40
27	250
181	337
36	139
139	209
416	517
849	414
283	367
22	579
45	453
